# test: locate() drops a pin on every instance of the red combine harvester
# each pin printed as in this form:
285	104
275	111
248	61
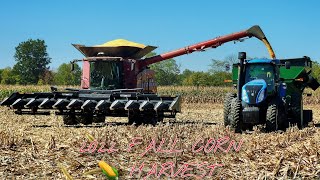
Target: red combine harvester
116	81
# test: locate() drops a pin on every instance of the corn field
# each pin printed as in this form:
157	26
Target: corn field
190	94
41	147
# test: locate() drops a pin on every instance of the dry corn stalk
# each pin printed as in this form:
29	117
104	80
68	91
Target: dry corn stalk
65	172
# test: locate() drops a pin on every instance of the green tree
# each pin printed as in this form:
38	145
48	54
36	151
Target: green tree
47	78
64	75
8	77
218	78
1	70
316	70
32	61
167	72
198	79
185	74
220	65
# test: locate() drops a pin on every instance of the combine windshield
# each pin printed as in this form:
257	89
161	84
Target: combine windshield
261	71
105	75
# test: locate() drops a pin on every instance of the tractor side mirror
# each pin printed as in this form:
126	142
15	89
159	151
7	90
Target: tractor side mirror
72	66
227	67
280	80
287	64
242	55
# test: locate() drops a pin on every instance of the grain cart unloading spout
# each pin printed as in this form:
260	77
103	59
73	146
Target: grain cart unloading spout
254	31
257	32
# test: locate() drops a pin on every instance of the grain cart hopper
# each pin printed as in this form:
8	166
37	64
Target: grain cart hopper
116	81
269	91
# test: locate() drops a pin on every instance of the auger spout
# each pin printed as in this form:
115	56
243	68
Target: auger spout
254	31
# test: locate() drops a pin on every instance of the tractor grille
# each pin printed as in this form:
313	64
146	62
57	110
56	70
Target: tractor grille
252	91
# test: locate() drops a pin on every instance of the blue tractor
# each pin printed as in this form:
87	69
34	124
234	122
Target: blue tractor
269	91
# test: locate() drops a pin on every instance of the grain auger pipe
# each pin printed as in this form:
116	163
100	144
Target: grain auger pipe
254	31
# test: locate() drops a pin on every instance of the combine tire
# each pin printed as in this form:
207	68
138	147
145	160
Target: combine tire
98	119
227	107
134	117
160	117
236	115
150	118
85	119
69	120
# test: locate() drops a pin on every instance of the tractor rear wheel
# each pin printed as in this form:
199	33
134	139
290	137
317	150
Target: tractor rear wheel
236	115
227	107
69	120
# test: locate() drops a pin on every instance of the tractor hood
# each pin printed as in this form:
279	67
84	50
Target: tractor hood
254	92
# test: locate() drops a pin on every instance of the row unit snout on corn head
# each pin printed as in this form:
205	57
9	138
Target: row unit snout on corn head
116	81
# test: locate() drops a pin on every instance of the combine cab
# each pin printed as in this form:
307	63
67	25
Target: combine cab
116	81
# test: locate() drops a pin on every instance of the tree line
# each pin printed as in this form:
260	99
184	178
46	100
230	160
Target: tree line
32	67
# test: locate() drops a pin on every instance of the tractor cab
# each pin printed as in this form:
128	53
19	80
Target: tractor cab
259	80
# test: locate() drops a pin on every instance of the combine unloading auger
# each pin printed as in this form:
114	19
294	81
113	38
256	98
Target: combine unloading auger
116	81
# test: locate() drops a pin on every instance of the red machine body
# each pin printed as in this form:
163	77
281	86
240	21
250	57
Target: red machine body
135	72
116	82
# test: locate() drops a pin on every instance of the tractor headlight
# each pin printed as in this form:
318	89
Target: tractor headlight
261	96
244	95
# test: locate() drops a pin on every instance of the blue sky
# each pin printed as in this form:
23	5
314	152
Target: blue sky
292	27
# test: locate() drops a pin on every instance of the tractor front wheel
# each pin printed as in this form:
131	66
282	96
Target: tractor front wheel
227	107
236	115
276	118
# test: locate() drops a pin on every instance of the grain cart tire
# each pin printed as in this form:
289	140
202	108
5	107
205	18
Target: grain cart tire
227	107
236	115
297	110
85	119
98	119
69	120
275	118
307	116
